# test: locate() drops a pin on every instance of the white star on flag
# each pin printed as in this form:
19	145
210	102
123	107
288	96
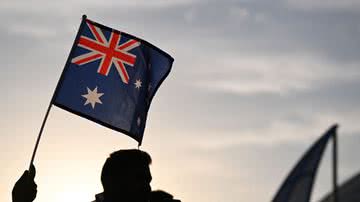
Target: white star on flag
92	97
138	83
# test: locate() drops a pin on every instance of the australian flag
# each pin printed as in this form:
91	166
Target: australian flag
111	77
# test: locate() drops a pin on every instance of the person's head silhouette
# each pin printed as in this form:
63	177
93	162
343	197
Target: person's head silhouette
126	176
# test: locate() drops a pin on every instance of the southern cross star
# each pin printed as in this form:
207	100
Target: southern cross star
138	83
92	97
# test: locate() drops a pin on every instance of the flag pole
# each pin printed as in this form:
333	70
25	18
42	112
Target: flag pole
335	169
39	136
53	97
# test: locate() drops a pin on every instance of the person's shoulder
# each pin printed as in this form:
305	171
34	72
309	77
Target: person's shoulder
99	197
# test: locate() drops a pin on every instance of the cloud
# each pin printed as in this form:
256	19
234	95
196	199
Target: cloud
238	12
334	5
21	6
32	31
277	74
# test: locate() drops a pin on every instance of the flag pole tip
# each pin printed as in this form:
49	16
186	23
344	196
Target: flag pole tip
84	16
334	127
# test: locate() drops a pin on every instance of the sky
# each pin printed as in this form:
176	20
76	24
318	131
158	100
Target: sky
253	85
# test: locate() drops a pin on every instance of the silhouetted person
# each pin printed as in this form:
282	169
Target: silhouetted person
125	177
162	196
25	188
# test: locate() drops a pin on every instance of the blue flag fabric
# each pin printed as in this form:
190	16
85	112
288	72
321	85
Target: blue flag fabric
111	77
298	185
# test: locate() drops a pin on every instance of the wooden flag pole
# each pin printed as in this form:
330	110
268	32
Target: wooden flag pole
53	97
335	169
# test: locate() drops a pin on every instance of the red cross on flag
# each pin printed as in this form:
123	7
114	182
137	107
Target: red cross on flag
109	51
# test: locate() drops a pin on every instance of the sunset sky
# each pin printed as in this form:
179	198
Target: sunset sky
254	83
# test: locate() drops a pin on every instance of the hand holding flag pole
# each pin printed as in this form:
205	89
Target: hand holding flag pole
110	77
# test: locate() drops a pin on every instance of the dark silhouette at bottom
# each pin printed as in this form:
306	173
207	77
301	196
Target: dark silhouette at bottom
125	177
162	196
25	188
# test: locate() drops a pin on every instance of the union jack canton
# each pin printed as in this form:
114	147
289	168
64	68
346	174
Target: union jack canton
111	77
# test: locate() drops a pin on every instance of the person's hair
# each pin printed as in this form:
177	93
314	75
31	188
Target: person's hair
120	163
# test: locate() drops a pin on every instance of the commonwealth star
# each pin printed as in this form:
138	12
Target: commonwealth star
92	97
